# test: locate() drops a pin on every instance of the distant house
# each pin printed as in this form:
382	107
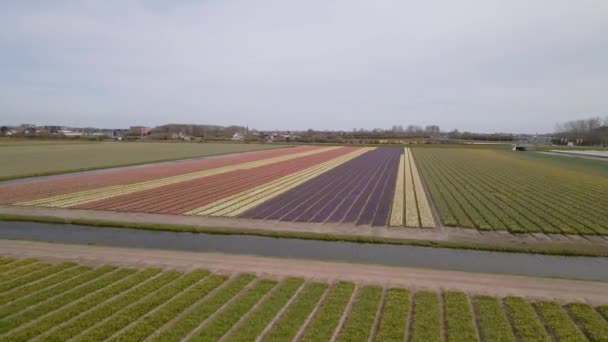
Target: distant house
139	130
68	133
238	136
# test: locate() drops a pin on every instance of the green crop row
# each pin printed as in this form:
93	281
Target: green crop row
458	317
287	326
394	315
28	289
326	319
150	299
493	323
360	320
83	298
14	308
558	322
487	189
226	318
111	301
194	318
258	320
592	323
524	319
22	271
14	265
426	321
4	261
72	302
11	284
149	324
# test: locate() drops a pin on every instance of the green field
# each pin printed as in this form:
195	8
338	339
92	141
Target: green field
59	302
521	192
34	158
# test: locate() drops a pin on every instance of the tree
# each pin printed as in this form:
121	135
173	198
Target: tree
3	130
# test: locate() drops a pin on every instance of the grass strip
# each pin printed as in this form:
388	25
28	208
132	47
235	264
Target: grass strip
394	315
158	296
52	305
493	323
28	289
110	302
233	313
149	324
525	322
13	265
43	295
548	249
9	285
193	319
21	271
592	323
603	310
323	324
286	327
558	322
458	317
258	320
426	324
360	320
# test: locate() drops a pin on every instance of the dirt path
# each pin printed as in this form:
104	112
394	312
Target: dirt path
455	236
474	283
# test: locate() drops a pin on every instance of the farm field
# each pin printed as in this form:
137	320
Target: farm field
24	158
502	190
353	185
68	301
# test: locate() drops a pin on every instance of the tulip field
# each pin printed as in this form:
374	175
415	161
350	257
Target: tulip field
497	190
348	185
68	301
420	187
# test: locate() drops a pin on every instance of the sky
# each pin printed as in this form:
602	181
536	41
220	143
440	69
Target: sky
475	65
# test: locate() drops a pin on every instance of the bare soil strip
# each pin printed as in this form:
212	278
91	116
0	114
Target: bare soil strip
470	238
488	284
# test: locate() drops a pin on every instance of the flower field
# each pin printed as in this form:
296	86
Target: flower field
495	190
352	185
67	301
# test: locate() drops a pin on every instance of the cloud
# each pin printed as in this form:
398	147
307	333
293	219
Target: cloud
476	65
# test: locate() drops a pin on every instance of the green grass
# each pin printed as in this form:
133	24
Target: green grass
360	320
426	324
591	322
202	311
493	323
394	315
558	322
22	271
259	319
28	160
226	318
326	319
286	327
458	317
500	190
525	322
